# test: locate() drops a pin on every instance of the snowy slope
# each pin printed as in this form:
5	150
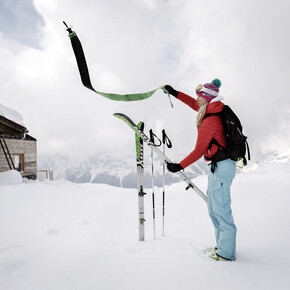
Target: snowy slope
60	235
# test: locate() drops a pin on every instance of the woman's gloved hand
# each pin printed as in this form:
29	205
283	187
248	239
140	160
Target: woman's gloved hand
171	90
174	167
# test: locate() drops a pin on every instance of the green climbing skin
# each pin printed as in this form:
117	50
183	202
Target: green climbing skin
85	77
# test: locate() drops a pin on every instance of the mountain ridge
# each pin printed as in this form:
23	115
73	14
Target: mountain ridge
111	170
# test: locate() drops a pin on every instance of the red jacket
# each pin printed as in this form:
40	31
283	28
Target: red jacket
210	127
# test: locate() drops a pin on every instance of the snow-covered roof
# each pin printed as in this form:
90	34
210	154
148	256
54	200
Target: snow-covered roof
11	115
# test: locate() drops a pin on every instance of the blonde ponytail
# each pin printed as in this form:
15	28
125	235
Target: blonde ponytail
200	114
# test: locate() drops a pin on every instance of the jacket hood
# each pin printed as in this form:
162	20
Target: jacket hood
215	107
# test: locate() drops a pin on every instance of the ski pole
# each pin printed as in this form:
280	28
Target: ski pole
152	140
167	142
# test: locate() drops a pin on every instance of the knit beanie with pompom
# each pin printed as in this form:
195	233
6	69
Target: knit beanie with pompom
209	91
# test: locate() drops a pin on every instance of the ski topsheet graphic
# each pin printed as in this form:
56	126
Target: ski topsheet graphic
140	181
162	156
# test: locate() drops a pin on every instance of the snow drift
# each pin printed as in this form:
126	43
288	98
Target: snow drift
10	177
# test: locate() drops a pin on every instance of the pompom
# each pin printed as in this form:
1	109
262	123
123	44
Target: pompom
217	82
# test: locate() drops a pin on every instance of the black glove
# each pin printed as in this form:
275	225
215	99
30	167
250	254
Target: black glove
174	167
171	90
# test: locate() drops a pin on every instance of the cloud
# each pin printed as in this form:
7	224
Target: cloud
20	21
136	46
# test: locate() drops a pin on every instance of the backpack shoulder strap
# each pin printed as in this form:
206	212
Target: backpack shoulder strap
211	114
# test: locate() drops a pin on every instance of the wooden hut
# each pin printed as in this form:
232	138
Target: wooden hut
18	150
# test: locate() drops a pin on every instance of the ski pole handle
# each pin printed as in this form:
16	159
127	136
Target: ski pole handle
153	137
166	140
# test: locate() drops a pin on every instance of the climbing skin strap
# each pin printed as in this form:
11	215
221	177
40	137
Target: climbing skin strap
85	77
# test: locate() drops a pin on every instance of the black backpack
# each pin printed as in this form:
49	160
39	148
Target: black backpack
237	144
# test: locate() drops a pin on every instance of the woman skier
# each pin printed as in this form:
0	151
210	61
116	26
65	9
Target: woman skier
209	125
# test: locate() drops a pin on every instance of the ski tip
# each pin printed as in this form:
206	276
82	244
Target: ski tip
140	125
120	115
116	115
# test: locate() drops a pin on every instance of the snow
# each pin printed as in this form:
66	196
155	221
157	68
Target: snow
60	235
10	177
11	115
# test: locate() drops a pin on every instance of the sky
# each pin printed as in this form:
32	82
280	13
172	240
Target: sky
134	46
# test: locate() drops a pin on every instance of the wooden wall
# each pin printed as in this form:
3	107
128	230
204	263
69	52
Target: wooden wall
26	147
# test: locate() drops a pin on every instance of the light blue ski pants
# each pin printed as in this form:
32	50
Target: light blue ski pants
219	207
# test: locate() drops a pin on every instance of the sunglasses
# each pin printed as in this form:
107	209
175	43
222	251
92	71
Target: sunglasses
201	88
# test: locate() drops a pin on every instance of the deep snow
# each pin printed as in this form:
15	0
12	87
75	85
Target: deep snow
60	235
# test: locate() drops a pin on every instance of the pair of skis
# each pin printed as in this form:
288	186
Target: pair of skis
141	136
